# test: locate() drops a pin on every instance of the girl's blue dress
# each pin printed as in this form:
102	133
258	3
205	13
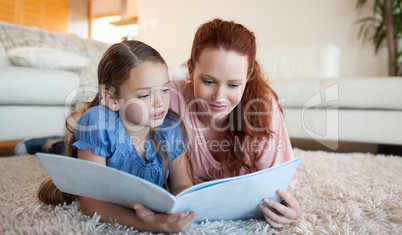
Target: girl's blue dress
100	129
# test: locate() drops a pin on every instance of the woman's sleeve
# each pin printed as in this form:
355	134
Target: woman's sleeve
278	149
91	133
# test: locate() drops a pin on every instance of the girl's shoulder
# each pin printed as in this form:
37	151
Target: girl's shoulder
100	111
171	122
99	116
171	126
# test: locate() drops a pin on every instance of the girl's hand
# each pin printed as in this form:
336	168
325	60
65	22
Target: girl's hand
284	213
165	223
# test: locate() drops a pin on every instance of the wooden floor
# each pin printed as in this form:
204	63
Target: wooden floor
7	148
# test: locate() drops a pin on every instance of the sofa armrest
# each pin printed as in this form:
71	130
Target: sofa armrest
29	86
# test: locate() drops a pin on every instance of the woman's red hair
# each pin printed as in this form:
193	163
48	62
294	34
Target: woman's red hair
257	98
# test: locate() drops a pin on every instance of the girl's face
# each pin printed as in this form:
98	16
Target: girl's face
144	97
219	79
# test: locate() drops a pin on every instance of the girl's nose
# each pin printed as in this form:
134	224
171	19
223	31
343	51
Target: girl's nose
158	100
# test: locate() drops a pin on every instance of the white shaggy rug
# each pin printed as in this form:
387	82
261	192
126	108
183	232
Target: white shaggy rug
352	193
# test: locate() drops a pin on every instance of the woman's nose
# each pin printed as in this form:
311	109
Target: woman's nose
219	93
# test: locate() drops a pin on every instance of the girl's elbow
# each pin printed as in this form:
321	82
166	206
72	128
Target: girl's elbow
88	206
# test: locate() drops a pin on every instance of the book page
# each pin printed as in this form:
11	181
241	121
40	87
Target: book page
89	179
219	181
236	197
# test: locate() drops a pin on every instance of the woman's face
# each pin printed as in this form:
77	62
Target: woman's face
219	79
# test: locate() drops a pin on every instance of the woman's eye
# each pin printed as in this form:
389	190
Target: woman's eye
165	90
233	85
208	82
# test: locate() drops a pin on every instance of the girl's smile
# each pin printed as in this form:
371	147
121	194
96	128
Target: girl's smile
158	115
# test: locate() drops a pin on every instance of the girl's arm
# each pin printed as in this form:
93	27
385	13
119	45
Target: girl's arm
180	175
141	219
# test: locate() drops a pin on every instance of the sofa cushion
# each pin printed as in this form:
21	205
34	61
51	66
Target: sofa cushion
3	56
295	92
315	61
13	36
46	58
370	126
350	93
20	122
28	86
367	93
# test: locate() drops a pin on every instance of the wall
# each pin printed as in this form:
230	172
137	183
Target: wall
45	14
78	22
171	24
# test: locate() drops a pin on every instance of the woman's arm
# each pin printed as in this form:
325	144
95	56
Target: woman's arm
141	219
287	210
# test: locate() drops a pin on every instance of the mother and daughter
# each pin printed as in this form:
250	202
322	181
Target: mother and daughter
223	121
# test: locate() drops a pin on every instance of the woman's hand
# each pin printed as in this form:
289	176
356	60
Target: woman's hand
284	212
165	223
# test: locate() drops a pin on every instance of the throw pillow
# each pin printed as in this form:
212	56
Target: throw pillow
46	58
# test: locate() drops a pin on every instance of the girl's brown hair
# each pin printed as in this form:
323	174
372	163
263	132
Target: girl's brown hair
231	36
113	70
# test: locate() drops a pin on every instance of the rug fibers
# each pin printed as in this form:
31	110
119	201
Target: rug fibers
353	193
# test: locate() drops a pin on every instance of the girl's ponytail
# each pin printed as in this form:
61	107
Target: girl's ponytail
48	192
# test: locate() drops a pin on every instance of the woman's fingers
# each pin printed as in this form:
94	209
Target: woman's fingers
276	218
289	200
282	213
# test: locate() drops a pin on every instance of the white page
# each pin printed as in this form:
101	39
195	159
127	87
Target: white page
239	197
89	179
218	181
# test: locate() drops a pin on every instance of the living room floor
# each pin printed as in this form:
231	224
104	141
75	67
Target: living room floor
348	147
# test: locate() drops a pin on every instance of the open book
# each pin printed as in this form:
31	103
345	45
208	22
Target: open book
223	199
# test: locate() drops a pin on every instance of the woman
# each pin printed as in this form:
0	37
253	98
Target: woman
232	116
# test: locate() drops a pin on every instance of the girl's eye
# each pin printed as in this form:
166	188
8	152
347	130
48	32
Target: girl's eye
143	96
233	85
165	90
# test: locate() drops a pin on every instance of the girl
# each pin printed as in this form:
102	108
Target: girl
231	115
134	132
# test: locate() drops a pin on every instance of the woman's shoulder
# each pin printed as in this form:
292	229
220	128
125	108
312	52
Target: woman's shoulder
180	87
181	94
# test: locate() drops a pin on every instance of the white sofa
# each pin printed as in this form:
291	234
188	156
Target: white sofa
317	103
40	75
